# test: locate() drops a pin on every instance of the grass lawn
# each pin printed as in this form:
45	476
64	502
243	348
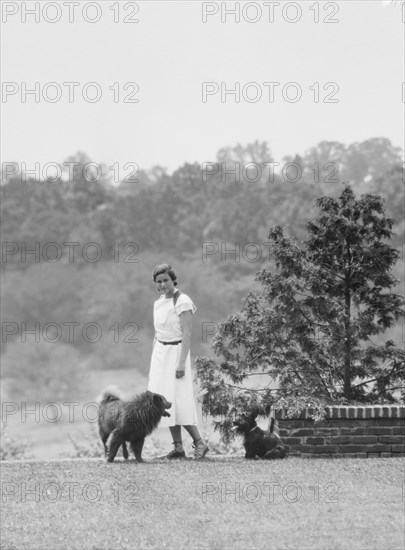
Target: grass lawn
215	503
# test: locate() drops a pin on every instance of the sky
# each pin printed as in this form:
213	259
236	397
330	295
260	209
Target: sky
174	52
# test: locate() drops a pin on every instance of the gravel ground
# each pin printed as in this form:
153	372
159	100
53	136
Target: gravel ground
213	503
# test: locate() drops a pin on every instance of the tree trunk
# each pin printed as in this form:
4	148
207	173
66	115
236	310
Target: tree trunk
347	388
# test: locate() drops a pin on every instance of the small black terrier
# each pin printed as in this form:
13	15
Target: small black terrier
256	441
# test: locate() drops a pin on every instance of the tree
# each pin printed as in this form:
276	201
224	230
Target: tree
357	162
310	329
256	152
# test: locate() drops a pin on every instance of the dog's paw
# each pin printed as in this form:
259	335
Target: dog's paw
276	453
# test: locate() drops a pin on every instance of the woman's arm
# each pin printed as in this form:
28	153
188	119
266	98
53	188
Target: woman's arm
186	320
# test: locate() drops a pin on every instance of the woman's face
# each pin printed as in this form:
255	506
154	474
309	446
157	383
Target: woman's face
165	285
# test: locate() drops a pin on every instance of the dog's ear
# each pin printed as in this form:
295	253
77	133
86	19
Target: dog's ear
157	399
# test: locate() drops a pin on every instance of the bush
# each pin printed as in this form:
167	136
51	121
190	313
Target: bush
11	448
91	447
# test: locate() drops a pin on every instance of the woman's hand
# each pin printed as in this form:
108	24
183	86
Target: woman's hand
180	370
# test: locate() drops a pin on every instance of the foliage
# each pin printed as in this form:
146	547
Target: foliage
12	448
310	329
90	447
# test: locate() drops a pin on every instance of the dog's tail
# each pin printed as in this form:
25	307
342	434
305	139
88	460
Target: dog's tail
110	393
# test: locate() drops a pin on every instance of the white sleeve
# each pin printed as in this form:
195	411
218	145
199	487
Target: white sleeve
184	303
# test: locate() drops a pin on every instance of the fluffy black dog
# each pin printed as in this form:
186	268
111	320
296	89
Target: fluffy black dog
130	420
256	441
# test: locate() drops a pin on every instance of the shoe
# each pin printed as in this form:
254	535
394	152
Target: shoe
200	450
176	454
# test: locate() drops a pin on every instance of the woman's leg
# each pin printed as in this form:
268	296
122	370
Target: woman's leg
193	431
178	451
176	434
200	447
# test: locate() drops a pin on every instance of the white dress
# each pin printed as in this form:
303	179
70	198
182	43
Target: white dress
162	374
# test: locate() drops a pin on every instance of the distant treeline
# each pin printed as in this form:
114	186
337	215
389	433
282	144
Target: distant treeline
234	199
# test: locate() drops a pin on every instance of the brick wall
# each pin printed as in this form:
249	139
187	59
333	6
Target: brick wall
358	432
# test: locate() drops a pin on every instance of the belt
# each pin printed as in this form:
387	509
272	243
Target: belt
170	343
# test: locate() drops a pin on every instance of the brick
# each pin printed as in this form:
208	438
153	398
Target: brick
398	448
349	455
379	430
378	448
360	412
292	441
326	431
341	439
324	423
289	424
398	422
282	433
364	439
315	441
328	411
373	455
361	455
323	449
386	455
352	412
391	439
302	431
343	412
368	412
334	412
394	412
398	431
377	412
299	448
386	412
387	422
351	449
397	454
353	431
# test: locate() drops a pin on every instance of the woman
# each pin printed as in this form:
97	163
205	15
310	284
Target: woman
170	369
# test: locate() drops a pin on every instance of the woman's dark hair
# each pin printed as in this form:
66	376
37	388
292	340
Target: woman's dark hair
164	268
